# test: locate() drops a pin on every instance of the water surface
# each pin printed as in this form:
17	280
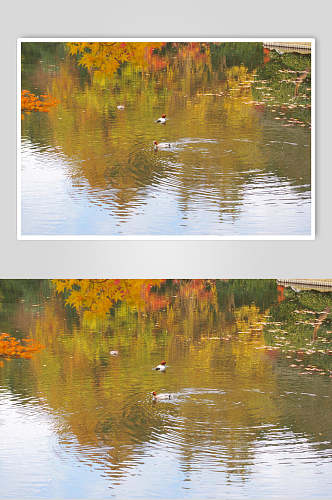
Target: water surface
78	423
233	168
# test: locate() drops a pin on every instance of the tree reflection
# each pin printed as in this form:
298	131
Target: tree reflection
205	88
227	390
103	403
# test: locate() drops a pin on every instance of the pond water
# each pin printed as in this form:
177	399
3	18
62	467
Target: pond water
239	161
76	422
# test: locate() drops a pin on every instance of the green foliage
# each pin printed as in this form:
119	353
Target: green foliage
249	54
261	291
302	322
27	289
279	84
316	301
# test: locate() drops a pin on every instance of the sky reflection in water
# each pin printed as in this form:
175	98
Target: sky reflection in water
89	168
77	423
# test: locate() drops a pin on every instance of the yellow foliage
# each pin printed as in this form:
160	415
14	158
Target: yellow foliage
106	57
98	296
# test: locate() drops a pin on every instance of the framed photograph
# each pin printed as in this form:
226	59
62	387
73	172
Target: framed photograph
166	138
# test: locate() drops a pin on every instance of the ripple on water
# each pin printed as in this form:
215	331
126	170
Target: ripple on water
200	176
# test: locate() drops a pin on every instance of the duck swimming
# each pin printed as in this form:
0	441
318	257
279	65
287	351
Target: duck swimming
161	145
160	397
161	367
162	119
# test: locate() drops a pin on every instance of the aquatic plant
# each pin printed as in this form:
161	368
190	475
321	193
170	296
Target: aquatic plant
300	328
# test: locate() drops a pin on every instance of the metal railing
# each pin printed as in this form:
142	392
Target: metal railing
318	284
298	46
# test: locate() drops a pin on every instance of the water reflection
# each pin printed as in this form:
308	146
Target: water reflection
90	168
240	420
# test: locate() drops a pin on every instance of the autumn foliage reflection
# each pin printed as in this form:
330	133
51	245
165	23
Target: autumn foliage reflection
209	331
205	91
185	321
